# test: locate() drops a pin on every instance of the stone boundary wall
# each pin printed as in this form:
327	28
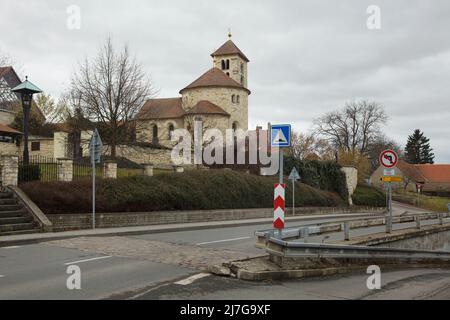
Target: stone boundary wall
64	222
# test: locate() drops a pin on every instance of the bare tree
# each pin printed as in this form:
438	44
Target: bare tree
52	111
309	146
5	59
354	127
378	145
112	88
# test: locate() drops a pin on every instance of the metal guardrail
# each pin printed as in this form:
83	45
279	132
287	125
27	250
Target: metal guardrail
303	232
286	249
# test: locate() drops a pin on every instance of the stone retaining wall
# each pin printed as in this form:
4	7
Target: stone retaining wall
62	222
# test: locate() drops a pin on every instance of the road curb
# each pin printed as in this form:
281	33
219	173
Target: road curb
265	275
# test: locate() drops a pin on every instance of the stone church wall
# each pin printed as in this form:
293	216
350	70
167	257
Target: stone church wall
221	97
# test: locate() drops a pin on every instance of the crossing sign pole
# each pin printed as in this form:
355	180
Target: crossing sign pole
294	176
280	138
95	147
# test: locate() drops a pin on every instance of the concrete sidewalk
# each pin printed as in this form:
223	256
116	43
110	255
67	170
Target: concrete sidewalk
124	231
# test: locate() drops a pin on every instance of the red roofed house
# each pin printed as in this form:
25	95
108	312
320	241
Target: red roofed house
435	178
9	101
219	98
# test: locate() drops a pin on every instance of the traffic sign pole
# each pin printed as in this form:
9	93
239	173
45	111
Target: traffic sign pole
281	182
293	197
93	186
389	222
389	160
95	147
280	138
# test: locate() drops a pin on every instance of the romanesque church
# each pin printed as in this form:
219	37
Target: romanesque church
218	98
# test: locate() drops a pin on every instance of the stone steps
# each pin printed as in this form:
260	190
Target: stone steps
14	214
16	227
6	195
9	207
8	201
14	218
12	233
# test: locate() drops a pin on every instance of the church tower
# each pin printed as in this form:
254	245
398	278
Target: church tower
230	59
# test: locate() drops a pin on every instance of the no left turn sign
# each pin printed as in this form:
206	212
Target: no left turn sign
388	159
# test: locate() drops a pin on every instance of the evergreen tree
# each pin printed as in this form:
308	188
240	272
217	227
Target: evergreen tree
418	150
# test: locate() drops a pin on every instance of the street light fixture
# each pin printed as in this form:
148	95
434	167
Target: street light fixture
26	90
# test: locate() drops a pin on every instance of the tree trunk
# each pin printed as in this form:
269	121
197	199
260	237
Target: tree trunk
113	142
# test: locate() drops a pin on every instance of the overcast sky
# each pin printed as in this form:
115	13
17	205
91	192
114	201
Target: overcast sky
306	57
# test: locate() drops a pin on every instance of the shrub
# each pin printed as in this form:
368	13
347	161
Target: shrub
325	175
192	190
368	196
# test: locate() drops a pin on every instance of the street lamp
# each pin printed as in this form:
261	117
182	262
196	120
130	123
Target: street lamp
26	90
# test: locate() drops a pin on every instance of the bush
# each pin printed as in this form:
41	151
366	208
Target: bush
30	172
192	190
325	175
368	196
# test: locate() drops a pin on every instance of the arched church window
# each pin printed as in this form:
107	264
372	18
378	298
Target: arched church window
233	98
228	64
238	98
171	129
234	126
155	134
228	74
223	65
242	67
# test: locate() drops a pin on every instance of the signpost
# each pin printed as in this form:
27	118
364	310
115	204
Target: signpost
391	179
95	148
389	160
389	172
293	176
280	138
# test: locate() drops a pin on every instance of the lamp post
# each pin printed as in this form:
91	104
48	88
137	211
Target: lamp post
26	90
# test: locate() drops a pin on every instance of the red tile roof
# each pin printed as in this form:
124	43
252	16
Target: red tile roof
161	109
215	77
410	171
229	48
435	173
5	70
206	107
7	129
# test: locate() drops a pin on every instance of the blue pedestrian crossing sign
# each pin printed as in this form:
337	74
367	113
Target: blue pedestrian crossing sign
95	147
281	135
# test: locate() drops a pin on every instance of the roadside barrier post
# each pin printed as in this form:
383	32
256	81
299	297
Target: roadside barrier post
347	231
417	218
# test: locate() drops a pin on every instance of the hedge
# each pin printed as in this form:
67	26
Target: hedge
368	196
192	190
325	175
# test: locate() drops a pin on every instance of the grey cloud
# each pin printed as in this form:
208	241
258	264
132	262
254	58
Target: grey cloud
307	57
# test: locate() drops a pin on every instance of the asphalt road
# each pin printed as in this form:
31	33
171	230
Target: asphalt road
39	271
411	284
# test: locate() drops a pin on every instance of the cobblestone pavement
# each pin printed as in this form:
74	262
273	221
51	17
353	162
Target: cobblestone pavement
156	251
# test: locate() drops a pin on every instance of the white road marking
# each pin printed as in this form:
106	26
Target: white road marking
191	279
11	247
226	240
87	260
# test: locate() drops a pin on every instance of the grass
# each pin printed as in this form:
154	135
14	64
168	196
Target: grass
434	203
192	190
